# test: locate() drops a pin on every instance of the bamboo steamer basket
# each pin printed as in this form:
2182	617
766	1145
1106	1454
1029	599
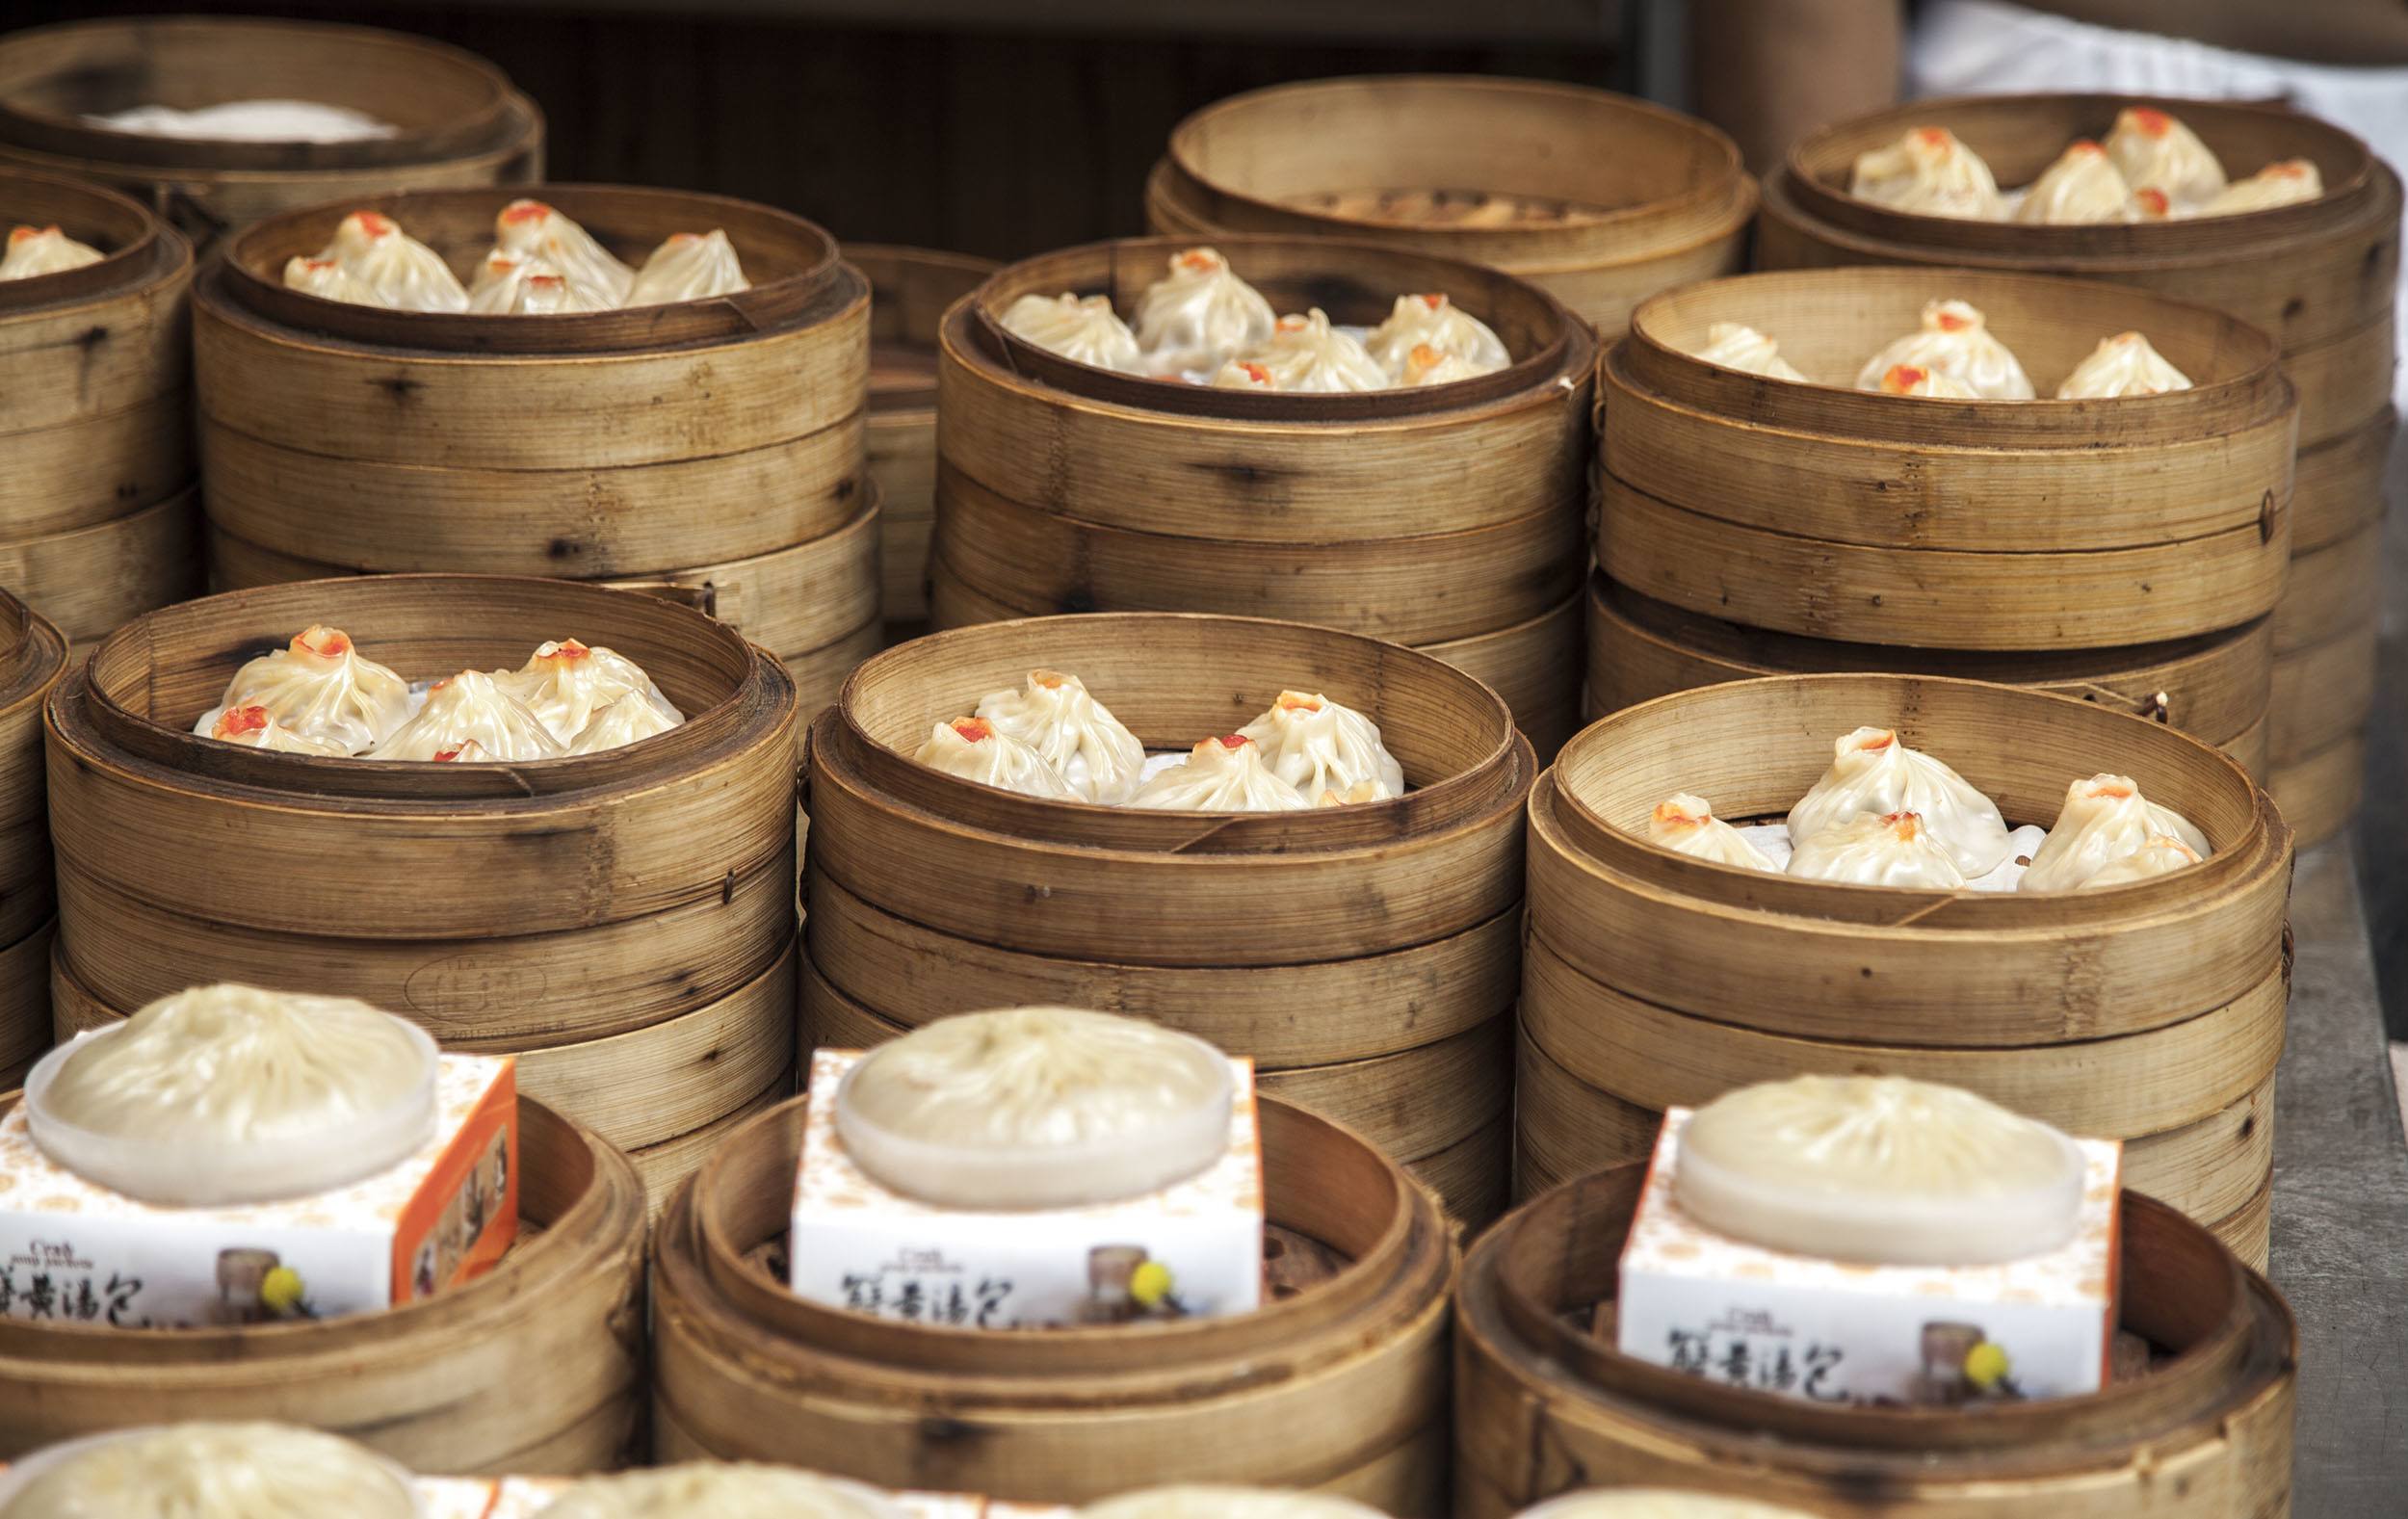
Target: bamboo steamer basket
1819	511
622	922
1064	487
1396	922
457	121
534	1368
1544	1402
2134	1014
910	289
33	659
1629	198
1338	1383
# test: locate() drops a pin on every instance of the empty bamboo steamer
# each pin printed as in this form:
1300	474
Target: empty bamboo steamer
1437	518
1339	1382
910	289
1598	199
457	121
622	922
536	1367
98	519
32	658
1545	1402
1365	957
2151	1014
713	442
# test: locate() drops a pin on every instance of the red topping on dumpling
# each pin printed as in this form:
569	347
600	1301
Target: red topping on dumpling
26	234
1291	324
546	281
1906	825
2153	201
1231	741
525	211
1256	373
1050	680
320	265
1903	378
446	756
2287	169
240	719
2115	793
1950	321
974	729
1201	260
1435	301
2086	148
2154	122
567	649
1670	813
1876	745
322	641
1298	701
372	223
1934	137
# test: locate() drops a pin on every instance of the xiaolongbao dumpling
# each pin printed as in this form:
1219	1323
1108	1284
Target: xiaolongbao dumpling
2152	151
1211	1501
328	280
1875	850
2103	819
971	748
2282	184
1878	1169
226	1095
719	1490
1433	321
1307	354
2122	365
471	706
1734	345
1355	796
404	272
1035	1108
1912	380
1955	341
2162	855
1238	374
624	721
1200	314
1873	774
532	229
1222	775
1927	170
43	251
689	267
211	1471
256	727
320	687
1688	825
565	684
500	286
1317	745
1071	731
2080	187
1085	332
542	295
1654	1503
1426	366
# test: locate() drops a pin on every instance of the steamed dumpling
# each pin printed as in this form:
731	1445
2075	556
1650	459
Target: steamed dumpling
2162	855
2280	184
2123	365
1305	353
328	280
689	267
322	688
1734	345
624	721
2081	186
1433	321
718	1490
1082	330
1870	850
499	288
256	727
1927	170
1222	775
216	1471
1873	773
972	748
1072	732
532	229
1035	1108
564	683
1317	745
1912	380
1200	314
2154	150
404	272
1238	374
1687	825
1355	796
1955	341
2105	818
471	707
1209	1501
43	251
1655	1503
1881	1169
1426	366
542	294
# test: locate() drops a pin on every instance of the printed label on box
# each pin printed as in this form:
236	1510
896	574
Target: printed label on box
1840	1332
73	1251
857	1246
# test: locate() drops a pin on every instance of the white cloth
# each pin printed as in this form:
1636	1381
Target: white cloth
1989	48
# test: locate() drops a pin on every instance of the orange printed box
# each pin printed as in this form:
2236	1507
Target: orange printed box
74	1251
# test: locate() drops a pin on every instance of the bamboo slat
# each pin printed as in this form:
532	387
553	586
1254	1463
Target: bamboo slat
25	1018
1340	1384
2334	590
2319	792
2338	487
2322	693
1543	1404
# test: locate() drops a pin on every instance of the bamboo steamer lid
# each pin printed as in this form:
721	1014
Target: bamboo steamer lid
32	661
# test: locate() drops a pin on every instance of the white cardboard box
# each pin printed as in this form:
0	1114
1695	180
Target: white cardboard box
857	1246
1839	1332
74	1251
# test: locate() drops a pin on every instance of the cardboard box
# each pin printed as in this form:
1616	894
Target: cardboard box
525	1497
73	1251
855	1244
1839	1332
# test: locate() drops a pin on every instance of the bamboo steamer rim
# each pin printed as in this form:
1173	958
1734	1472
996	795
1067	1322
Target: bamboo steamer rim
456	100
725	1211
95	713
2234	366
1552	350
2240	825
33	663
905	327
137	249
812	286
1819	164
1615	234
2231	1331
1496	775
